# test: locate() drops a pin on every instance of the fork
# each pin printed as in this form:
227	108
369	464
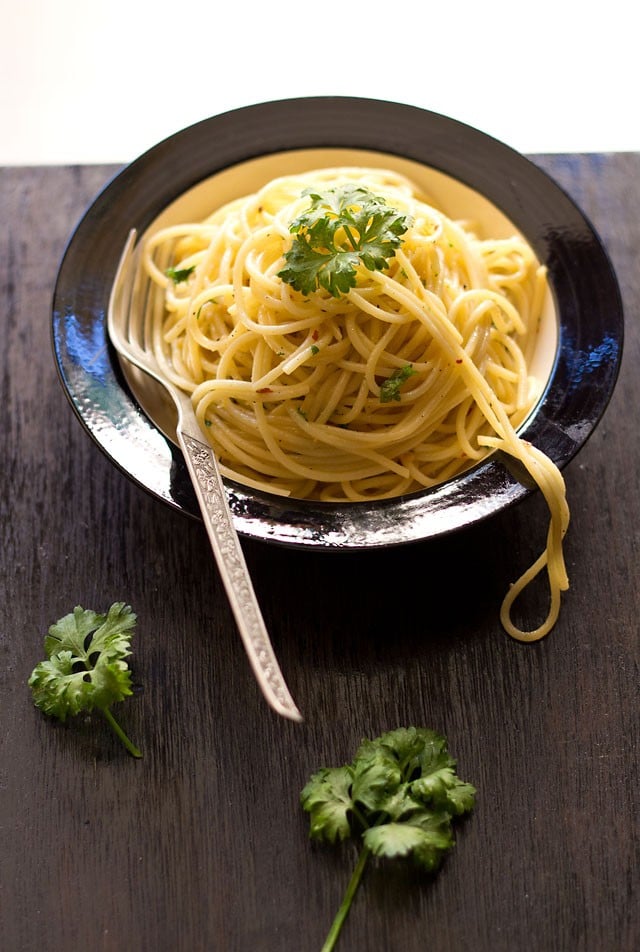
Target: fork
128	323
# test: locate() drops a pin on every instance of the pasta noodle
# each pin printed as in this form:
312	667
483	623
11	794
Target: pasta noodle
405	380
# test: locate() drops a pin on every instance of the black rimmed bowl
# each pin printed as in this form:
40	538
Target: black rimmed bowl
468	172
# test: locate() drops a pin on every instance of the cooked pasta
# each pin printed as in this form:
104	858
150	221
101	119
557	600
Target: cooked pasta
407	378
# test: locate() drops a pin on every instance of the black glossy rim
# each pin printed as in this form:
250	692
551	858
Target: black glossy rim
582	279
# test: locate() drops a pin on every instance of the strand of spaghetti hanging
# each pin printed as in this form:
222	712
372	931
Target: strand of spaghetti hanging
343	339
373	232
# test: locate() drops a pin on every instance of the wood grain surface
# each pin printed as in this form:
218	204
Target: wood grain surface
202	846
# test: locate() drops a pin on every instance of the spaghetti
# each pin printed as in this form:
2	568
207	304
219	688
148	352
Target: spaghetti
400	383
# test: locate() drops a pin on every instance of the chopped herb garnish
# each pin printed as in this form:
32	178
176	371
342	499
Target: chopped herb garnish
390	389
179	275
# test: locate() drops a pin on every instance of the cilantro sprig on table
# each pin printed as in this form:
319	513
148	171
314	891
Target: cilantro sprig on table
399	797
85	668
345	227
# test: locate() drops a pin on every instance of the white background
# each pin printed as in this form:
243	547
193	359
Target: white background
87	81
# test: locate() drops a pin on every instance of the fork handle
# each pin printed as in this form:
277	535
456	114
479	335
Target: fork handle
218	520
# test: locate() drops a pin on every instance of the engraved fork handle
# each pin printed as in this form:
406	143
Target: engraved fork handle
218	520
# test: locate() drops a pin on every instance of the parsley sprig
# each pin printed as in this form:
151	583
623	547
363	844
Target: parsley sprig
85	667
399	797
345	227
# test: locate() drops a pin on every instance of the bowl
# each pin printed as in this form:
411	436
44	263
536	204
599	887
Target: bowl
467	173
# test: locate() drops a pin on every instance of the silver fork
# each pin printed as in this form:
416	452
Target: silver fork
127	322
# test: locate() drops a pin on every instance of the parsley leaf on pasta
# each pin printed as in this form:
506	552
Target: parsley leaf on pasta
85	668
179	275
390	389
399	797
345	227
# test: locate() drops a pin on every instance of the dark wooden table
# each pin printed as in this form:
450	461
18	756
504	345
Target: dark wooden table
202	845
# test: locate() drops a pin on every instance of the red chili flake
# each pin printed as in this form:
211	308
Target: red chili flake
459	360
264	390
315	335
